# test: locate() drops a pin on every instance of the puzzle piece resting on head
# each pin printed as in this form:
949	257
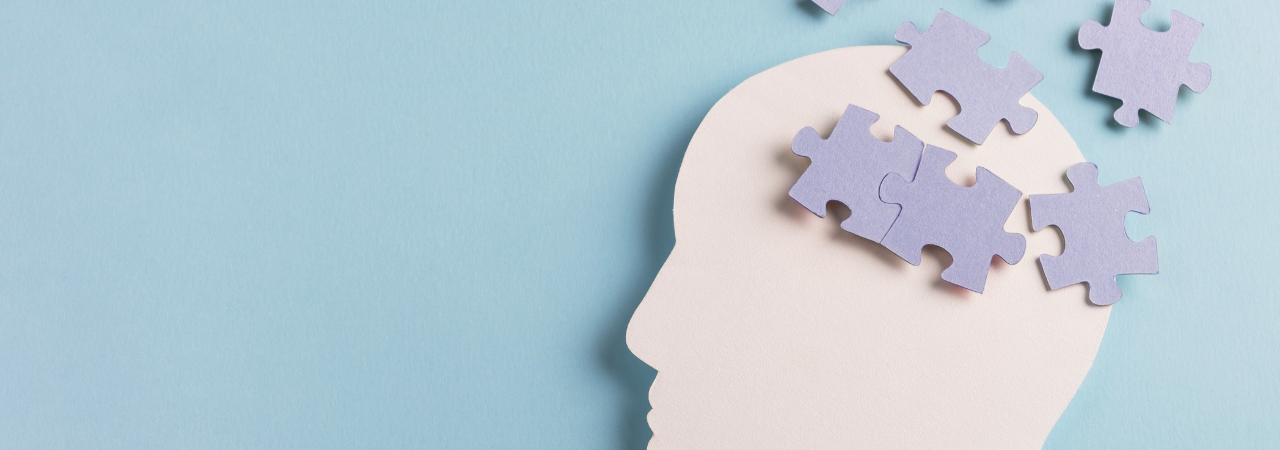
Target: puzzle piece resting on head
830	6
849	166
1091	218
945	58
1141	67
967	222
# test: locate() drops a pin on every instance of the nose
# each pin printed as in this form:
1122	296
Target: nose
649	325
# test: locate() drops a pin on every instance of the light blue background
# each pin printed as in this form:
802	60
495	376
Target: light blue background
425	224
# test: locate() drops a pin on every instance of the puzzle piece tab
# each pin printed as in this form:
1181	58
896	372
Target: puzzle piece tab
1091	218
849	166
967	222
1141	67
945	58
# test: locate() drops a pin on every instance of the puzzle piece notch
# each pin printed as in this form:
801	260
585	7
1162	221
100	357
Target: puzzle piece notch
967	222
1141	67
830	6
945	58
848	167
1091	218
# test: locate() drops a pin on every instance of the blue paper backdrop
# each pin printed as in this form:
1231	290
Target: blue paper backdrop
421	224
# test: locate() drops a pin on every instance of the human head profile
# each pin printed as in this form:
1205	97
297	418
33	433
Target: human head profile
773	328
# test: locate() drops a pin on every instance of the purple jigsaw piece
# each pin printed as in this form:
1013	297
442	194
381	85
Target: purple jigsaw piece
945	58
1091	218
1141	67
830	6
849	166
967	222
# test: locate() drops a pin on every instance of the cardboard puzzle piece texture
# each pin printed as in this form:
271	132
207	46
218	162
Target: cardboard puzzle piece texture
1141	67
1097	249
830	6
945	58
848	167
967	222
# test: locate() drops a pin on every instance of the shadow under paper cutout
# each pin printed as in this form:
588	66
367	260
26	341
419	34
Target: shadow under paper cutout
633	376
812	9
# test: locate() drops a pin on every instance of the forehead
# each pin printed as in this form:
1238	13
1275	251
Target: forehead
739	165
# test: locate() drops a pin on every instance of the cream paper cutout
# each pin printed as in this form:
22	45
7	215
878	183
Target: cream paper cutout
773	328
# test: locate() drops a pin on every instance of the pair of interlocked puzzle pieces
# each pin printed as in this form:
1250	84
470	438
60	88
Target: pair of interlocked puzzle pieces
899	194
1141	67
902	199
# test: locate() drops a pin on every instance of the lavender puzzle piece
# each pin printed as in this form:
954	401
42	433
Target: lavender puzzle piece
967	222
848	167
1091	218
945	58
1144	68
830	6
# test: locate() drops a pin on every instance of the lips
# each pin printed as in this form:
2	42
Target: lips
657	412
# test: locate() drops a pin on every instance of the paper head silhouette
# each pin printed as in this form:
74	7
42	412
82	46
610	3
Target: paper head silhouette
773	328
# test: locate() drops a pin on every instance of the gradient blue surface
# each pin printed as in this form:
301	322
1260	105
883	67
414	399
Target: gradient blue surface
425	224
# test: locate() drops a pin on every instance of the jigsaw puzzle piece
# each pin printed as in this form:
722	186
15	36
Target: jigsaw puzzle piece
848	167
945	58
1141	67
945	42
1091	218
967	222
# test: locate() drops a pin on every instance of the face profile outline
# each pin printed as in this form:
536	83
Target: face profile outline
772	328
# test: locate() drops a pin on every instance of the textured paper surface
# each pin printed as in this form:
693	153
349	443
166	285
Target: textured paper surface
966	221
1091	219
945	58
849	166
773	328
1144	68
